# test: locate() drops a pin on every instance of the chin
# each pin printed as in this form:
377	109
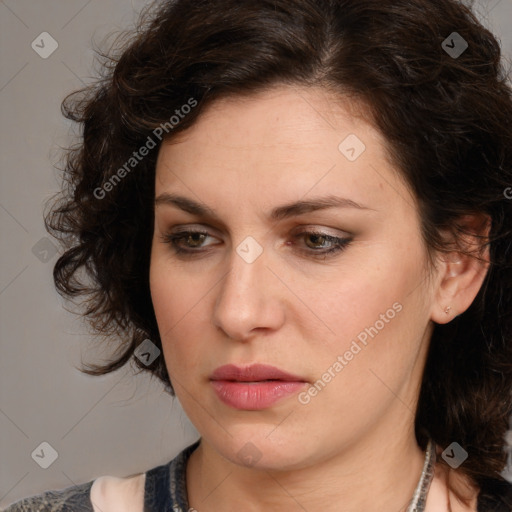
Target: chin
254	447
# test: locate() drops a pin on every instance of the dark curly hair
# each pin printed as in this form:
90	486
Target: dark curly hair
447	120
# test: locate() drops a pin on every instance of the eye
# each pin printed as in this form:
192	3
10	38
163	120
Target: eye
192	240
189	243
319	240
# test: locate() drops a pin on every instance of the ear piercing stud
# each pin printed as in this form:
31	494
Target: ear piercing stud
447	309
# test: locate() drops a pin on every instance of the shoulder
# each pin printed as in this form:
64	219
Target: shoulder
105	494
75	498
110	494
160	488
153	490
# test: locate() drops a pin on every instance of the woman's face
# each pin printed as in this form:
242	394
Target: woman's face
260	287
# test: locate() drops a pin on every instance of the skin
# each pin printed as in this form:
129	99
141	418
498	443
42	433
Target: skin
354	441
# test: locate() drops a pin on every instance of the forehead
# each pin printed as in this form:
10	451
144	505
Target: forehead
285	140
280	119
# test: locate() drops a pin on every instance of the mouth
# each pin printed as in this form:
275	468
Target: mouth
254	387
253	373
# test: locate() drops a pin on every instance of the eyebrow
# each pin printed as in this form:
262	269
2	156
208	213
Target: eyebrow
278	213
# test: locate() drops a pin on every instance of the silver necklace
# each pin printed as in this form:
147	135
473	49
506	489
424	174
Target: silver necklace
419	498
417	503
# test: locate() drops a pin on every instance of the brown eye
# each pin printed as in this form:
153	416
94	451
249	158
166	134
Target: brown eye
190	243
329	244
186	242
317	240
193	238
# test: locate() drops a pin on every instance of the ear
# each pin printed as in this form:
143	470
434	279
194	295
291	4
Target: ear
461	272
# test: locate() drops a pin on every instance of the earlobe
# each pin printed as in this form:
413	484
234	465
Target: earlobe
462	272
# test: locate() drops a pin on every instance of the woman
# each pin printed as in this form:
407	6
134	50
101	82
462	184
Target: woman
296	215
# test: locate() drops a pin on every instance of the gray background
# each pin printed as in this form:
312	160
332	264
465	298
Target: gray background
112	425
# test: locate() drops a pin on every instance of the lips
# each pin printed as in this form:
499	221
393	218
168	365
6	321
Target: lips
254	387
253	373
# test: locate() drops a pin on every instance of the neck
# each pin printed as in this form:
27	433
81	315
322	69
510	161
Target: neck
379	473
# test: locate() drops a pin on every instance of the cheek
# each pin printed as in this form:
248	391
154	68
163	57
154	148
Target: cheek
361	295
177	303
164	301
173	293
375	313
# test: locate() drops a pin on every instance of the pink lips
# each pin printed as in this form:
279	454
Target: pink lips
253	387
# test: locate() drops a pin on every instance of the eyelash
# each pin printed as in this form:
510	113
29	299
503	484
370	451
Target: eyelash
173	238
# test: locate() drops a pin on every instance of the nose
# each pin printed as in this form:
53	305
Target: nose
249	299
